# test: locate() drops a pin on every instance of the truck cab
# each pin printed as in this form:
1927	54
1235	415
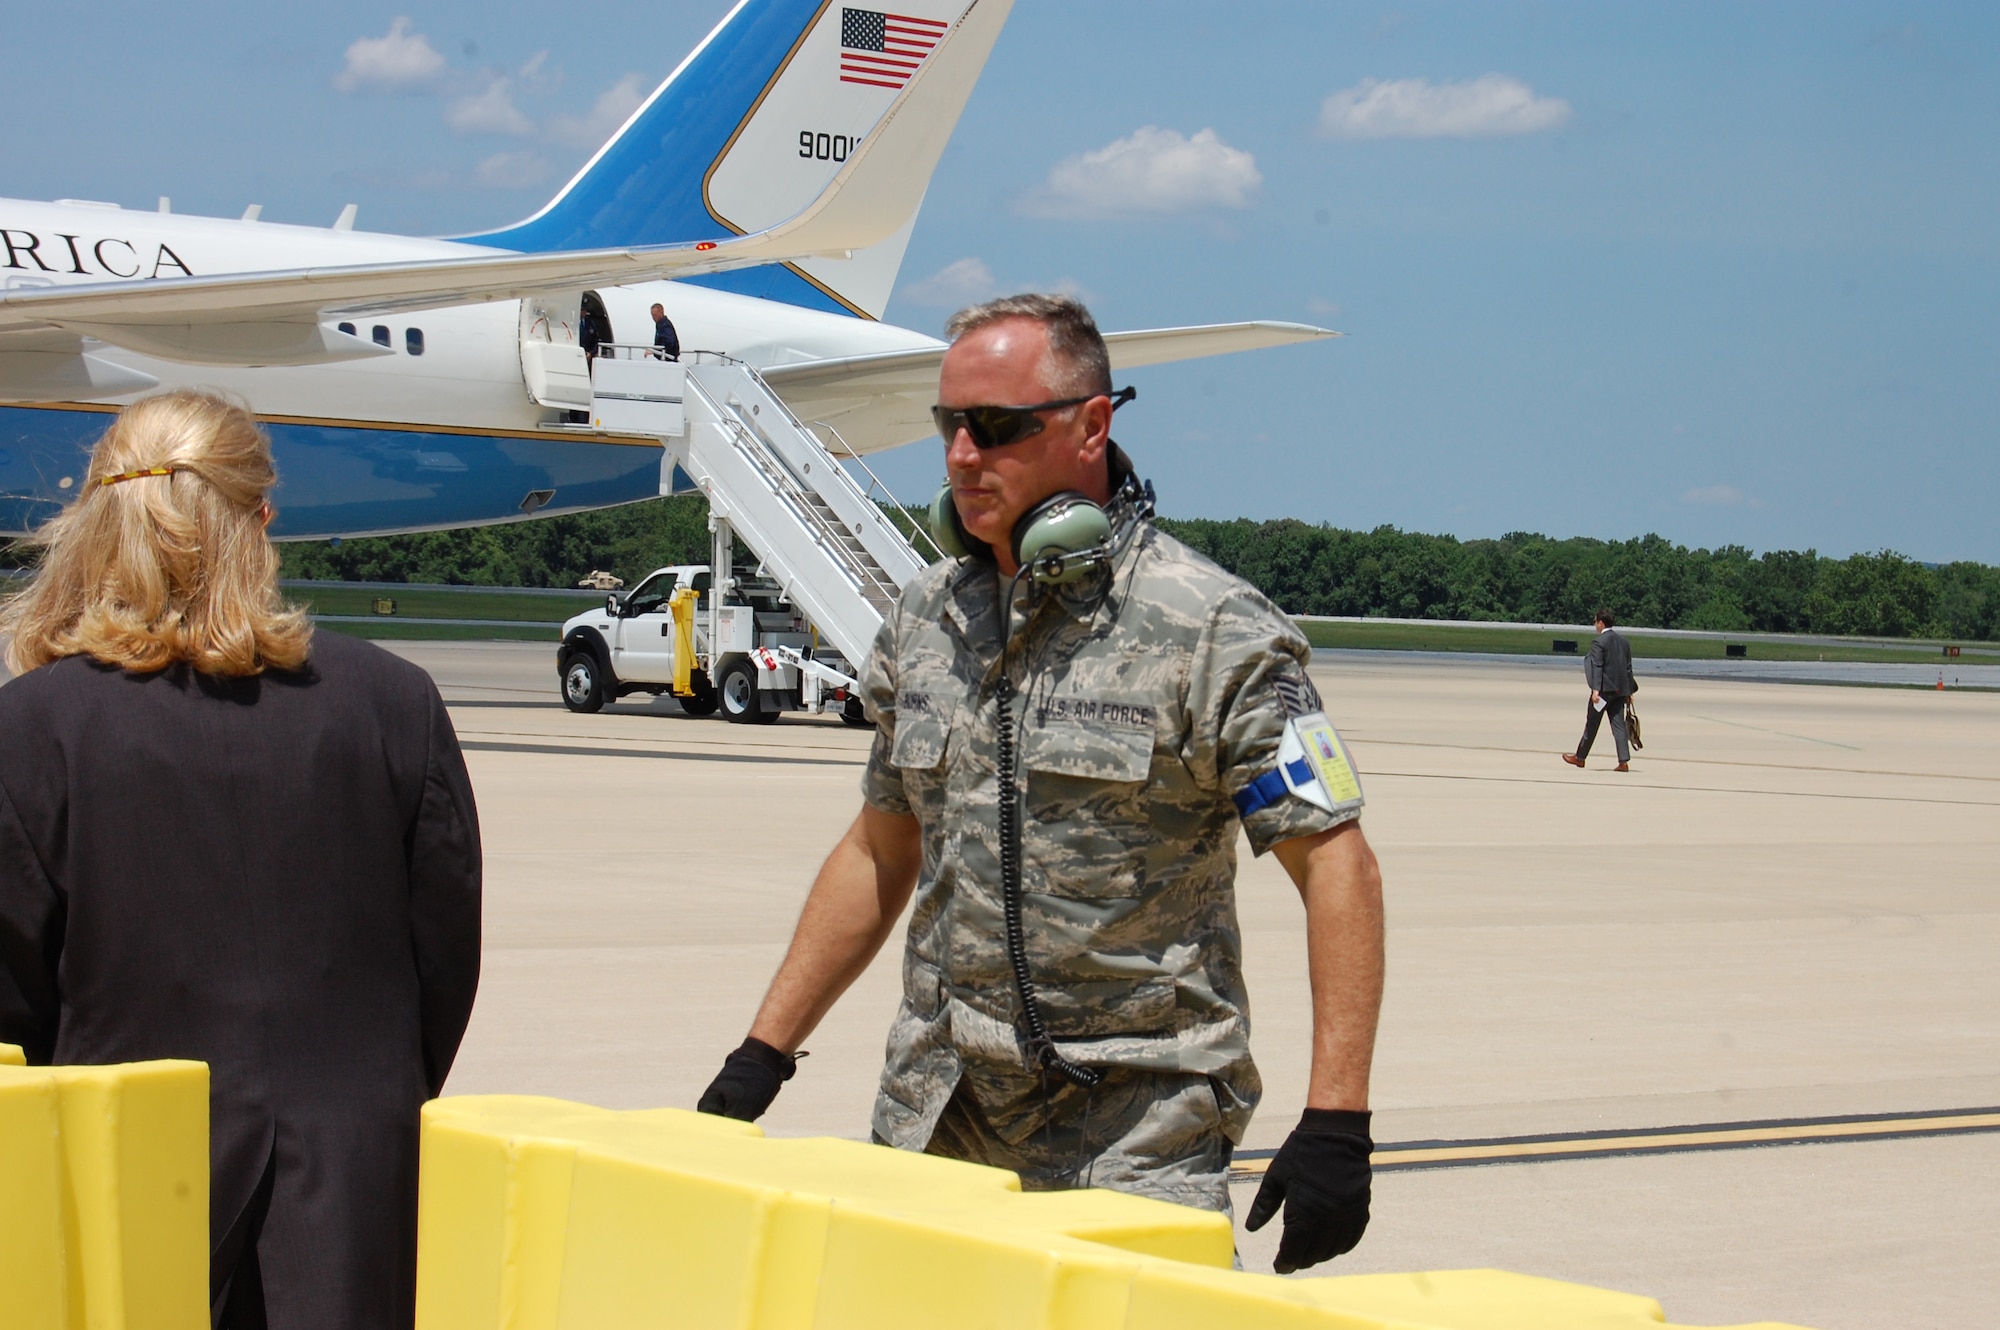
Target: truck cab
639	625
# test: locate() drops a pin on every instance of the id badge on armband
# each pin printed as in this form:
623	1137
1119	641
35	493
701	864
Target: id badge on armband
1312	764
1315	764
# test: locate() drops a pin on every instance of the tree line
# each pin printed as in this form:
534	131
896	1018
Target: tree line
1649	582
1310	569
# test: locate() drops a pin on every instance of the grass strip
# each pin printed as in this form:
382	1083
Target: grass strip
390	630
444	604
1505	640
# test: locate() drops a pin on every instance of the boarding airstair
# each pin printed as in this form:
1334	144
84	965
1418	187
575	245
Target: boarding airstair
771	479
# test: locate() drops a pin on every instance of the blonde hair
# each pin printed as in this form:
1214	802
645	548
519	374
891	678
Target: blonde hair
162	556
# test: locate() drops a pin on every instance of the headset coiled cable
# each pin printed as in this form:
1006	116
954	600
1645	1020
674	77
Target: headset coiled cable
1041	1049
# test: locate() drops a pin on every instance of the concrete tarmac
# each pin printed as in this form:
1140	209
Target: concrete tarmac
1787	909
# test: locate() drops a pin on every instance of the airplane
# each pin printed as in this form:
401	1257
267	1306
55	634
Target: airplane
763	194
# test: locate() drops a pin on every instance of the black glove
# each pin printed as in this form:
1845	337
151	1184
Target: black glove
1320	1176
748	1081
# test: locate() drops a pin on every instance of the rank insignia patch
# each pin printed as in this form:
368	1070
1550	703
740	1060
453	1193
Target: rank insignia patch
1298	695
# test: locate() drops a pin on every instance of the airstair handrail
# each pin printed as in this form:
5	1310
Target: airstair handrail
781	520
778	477
837	487
869	515
875	484
648	351
833	548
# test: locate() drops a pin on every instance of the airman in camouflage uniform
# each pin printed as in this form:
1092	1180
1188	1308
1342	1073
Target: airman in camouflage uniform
1153	704
1146	698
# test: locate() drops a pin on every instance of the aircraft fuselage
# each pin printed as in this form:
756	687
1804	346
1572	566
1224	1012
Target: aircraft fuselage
440	431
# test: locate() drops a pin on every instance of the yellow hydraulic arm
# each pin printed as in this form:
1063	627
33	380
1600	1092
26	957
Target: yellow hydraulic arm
682	608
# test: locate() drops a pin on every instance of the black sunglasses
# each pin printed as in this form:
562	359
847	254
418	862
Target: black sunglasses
998	426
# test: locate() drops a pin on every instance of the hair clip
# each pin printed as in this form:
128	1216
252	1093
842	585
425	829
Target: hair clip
137	473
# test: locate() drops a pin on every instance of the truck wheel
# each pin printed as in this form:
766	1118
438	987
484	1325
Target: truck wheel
737	694
701	702
854	715
582	683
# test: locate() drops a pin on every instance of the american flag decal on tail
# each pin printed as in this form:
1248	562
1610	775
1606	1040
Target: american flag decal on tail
883	50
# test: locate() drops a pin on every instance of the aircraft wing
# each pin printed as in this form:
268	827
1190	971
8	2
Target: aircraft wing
279	317
883	401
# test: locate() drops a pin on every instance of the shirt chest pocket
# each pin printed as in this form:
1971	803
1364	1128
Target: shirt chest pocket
1092	755
1088	825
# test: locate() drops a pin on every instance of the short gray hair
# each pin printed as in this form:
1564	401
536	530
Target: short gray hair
1080	362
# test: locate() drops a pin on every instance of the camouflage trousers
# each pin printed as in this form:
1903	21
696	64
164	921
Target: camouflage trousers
1156	1134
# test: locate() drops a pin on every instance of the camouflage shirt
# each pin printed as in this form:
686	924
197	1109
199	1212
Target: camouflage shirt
1146	700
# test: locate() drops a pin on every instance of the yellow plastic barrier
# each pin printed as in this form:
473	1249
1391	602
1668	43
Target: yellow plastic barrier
104	1171
11	1056
538	1214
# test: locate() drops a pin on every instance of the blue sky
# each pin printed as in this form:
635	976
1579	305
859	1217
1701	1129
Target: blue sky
1725	272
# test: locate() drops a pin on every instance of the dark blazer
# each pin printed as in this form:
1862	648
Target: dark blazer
1608	668
279	876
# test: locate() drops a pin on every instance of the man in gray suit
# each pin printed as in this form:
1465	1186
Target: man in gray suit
1608	671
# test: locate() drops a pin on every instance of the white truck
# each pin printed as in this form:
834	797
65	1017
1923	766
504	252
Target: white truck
753	657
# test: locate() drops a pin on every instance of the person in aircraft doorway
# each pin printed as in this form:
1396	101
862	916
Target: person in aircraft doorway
666	342
1067	745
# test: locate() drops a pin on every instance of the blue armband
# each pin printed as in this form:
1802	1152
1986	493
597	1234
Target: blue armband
1270	787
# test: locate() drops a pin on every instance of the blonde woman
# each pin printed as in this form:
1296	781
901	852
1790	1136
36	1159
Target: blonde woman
224	838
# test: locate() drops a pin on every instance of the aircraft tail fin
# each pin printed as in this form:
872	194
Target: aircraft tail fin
752	126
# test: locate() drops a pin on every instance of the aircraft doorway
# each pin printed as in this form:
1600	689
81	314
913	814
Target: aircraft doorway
593	324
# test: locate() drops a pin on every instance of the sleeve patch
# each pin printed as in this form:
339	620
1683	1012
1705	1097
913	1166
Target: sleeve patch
1298	695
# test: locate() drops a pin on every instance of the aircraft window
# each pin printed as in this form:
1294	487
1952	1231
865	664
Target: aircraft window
413	341
347	328
381	334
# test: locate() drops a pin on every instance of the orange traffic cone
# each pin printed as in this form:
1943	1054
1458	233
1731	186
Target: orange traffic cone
1940	681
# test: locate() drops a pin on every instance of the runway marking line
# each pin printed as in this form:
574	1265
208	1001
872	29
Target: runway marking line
1410	1155
558	736
1378	774
1782	734
1361	739
564	750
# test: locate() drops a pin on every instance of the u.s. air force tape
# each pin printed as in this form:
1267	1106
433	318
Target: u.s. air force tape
1312	765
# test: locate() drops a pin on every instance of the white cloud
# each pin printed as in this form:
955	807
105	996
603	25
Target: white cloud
1152	170
1489	106
491	111
1726	496
964	282
614	107
536	74
401	59
512	170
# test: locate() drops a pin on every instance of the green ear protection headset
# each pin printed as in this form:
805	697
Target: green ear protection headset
1056	541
